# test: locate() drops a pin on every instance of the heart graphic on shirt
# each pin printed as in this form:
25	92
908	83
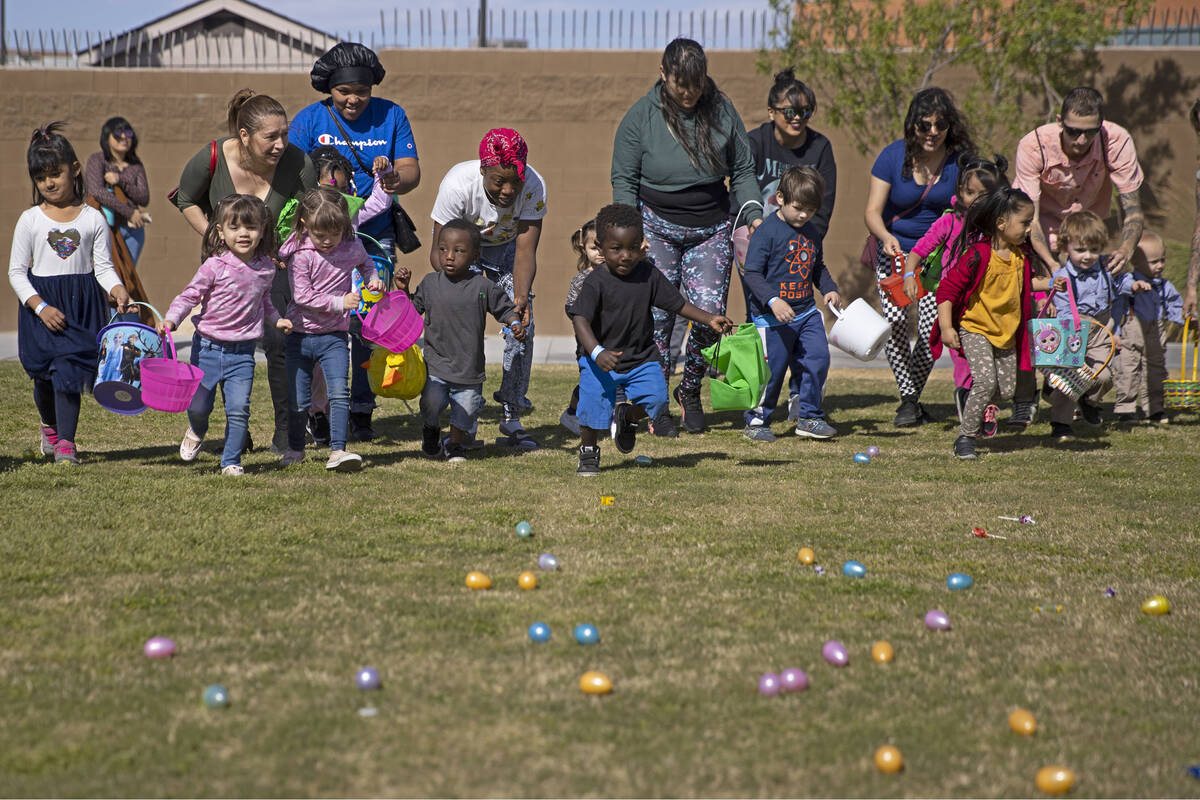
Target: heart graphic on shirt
63	243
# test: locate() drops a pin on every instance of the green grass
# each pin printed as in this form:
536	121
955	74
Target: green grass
282	583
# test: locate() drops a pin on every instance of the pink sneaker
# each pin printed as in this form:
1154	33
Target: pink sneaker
990	426
64	453
49	439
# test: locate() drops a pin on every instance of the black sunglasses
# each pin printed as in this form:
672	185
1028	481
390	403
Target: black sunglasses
1075	133
123	133
925	126
790	112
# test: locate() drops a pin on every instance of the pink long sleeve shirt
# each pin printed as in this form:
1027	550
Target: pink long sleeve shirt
234	298
944	231
320	282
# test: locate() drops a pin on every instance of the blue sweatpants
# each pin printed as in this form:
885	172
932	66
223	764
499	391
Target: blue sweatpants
801	346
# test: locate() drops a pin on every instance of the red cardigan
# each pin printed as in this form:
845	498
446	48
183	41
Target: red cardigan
962	281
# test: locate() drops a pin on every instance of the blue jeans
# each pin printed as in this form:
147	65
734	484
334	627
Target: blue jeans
230	364
135	240
497	264
465	401
644	386
304	350
801	346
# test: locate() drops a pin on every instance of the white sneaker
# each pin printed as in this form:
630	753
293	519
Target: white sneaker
343	461
189	448
233	469
291	457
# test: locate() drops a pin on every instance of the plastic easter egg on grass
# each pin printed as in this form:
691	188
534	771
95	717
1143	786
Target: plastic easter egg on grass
769	684
936	620
1055	779
527	581
835	653
1022	722
547	562
792	680
862	458
367	678
872	451
1156	605
592	682
586	634
888	759
854	569
524	530
159	647
643	461
806	556
959	580
882	652
477	580
216	696
539	632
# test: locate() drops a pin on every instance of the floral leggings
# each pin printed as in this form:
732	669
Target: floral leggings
994	376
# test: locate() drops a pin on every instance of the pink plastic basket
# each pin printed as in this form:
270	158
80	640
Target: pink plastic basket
393	323
169	384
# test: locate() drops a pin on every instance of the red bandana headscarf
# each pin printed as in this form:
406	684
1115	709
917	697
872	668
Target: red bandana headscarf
504	147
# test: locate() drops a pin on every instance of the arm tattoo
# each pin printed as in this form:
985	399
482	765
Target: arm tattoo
1134	220
1193	273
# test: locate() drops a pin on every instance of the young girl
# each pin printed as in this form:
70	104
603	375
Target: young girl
983	303
588	255
233	289
322	254
976	177
61	270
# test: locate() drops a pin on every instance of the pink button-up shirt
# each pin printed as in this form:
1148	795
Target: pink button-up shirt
320	282
1061	186
234	298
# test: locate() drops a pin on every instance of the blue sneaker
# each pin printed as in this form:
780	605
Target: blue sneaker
815	428
758	433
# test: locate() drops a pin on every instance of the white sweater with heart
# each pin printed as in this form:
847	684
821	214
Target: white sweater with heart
44	247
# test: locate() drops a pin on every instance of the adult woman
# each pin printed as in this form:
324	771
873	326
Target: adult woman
361	127
912	184
256	159
117	166
672	155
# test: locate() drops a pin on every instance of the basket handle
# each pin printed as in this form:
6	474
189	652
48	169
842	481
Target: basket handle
1183	352
171	342
739	214
138	303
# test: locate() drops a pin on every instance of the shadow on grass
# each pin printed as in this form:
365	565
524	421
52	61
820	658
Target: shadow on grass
156	454
680	460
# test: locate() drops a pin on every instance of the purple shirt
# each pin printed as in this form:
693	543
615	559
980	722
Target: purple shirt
234	298
320	282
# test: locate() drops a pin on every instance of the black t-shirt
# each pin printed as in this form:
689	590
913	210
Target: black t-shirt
619	310
771	160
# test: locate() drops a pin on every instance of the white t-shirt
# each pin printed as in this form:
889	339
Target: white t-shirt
461	196
45	247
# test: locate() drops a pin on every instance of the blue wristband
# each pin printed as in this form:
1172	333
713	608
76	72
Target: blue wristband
39	308
596	351
910	274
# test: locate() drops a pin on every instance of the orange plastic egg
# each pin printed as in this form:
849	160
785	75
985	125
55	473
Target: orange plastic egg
1022	722
882	652
527	580
593	682
807	556
1055	779
477	580
888	759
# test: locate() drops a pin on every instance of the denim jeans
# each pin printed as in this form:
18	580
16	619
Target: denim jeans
231	365
135	240
303	351
465	401
497	264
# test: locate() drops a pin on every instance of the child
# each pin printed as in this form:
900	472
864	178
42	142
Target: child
783	264
1083	236
983	303
61	271
1147	301
233	289
614	326
583	242
322	254
976	177
455	301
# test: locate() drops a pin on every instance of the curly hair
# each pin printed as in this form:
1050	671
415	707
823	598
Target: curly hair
458	224
617	215
327	160
934	102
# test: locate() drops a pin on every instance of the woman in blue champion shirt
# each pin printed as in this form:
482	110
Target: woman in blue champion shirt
361	127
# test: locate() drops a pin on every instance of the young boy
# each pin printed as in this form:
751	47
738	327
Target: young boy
783	265
1147	301
455	302
614	327
1084	236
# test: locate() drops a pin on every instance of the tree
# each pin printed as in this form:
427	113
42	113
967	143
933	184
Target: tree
868	61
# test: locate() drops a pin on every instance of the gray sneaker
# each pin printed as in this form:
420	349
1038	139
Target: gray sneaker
794	408
815	428
758	433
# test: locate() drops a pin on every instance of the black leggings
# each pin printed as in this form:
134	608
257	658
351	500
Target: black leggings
59	410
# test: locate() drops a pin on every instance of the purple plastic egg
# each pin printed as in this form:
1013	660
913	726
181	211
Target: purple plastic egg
872	451
835	653
159	647
793	680
936	620
768	684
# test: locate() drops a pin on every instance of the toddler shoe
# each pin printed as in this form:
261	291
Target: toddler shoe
1160	418
233	469
513	434
360	427
664	426
431	441
318	429
1090	412
815	428
1127	418
1060	432
455	453
964	448
64	453
758	433
1023	415
589	462
291	457
189	448
623	431
49	440
990	426
343	461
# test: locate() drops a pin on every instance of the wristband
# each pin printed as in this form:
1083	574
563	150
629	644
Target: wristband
910	274
39	308
597	350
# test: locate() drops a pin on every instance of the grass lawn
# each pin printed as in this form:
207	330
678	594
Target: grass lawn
281	584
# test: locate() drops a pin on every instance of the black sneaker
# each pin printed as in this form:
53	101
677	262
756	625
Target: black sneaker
1159	418
908	413
691	413
622	429
664	426
1127	418
318	429
1090	413
360	427
455	453
1060	432
924	413
964	448
1022	415
589	462
431	444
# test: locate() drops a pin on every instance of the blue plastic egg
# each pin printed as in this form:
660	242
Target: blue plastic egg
524	530
854	569
958	580
586	634
862	458
216	696
367	678
643	461
539	632
547	562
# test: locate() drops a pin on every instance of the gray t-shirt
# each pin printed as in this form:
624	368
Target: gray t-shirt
455	314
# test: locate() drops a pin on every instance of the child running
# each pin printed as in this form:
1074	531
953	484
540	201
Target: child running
614	327
942	244
233	289
456	301
62	272
983	303
783	264
583	242
322	255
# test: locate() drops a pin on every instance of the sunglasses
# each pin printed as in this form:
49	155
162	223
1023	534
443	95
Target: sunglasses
925	126
123	133
1075	133
790	113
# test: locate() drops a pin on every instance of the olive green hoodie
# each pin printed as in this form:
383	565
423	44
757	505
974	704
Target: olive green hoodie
645	153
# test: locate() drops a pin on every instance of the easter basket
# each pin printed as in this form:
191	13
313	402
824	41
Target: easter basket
1182	393
1075	382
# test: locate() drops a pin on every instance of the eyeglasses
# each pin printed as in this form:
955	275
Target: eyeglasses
1075	133
925	126
123	133
790	112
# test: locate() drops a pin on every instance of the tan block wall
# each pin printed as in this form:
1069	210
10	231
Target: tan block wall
566	104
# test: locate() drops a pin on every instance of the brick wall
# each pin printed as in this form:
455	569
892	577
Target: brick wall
566	104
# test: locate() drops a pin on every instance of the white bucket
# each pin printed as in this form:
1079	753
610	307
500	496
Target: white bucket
859	330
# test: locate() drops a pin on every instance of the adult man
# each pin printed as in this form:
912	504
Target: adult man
1193	273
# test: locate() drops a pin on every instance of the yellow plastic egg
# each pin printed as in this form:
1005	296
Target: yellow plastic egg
527	580
1022	722
1055	779
1156	605
477	580
807	556
888	759
593	682
882	652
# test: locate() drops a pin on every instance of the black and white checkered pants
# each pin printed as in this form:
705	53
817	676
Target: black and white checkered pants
912	362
